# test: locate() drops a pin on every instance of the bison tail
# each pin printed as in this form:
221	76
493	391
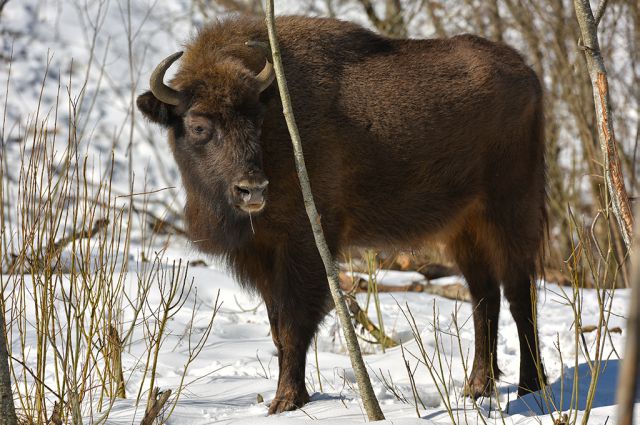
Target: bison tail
538	138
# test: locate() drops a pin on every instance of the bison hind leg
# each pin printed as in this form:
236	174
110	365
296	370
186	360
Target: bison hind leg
473	259
520	291
519	233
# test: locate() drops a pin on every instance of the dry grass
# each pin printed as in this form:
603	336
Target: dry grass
73	301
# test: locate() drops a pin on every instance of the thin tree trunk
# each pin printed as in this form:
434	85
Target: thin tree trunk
362	377
598	74
7	409
436	21
496	29
629	372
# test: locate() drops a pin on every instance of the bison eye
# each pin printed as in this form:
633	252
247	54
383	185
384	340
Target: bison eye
199	128
200	134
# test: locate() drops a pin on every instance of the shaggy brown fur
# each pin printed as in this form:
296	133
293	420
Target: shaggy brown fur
405	141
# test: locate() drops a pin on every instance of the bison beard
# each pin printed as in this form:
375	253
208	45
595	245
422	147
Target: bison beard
405	141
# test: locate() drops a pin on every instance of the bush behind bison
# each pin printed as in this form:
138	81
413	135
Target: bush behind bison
406	141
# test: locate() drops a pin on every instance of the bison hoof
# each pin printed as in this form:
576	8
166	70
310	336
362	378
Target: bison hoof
478	387
529	385
288	400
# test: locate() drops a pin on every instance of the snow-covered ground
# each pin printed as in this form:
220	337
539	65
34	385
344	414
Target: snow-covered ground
95	40
238	362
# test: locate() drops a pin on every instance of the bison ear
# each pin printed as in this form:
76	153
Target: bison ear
156	110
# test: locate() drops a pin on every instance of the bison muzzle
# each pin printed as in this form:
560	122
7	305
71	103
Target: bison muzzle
406	141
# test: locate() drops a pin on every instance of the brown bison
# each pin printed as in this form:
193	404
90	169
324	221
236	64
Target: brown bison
405	141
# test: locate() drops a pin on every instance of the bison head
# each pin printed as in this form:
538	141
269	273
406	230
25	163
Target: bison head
214	116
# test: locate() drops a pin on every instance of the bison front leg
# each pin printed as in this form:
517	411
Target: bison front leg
485	297
295	313
292	353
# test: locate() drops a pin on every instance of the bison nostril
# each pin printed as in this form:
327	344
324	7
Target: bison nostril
243	190
243	193
249	192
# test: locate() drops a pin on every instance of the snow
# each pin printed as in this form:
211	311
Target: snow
238	362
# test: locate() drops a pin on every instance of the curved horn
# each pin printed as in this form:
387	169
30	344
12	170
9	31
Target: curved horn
267	75
159	89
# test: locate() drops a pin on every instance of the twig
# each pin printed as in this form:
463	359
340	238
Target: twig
35	377
453	291
602	6
98	225
590	328
148	192
159	225
361	317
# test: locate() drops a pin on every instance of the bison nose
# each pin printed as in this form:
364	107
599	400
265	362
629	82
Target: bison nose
251	193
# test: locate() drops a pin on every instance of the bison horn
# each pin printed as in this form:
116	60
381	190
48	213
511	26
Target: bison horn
267	75
159	89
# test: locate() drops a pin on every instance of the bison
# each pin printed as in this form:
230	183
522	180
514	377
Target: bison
406	141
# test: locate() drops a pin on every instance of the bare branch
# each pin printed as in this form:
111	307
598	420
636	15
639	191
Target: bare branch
362	318
393	24
602	6
436	21
369	400
495	20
